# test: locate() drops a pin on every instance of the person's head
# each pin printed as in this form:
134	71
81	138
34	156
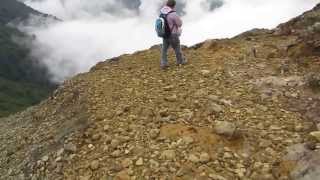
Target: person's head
171	3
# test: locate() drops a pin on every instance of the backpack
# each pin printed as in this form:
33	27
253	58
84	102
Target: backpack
162	26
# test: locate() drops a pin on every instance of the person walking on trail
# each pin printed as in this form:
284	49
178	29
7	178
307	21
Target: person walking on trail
171	25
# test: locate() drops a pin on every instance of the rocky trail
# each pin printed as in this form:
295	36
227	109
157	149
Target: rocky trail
244	108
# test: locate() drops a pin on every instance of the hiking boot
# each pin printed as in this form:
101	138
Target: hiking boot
184	62
164	67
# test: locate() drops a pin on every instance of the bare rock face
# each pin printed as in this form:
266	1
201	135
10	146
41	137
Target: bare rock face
306	27
307	167
296	152
127	119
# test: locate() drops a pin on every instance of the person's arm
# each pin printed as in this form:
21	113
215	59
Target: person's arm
177	20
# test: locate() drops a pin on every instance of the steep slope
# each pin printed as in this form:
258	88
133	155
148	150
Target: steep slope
11	10
243	108
307	29
23	82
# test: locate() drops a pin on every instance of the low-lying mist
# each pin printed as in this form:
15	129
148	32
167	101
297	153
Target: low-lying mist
92	31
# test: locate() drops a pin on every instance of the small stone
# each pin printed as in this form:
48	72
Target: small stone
270	151
227	155
124	139
316	27
193	158
119	112
114	143
196	103
95	137
115	167
163	112
216	177
130	90
172	169
204	157
226	102
182	171
240	172
265	143
94	165
126	108
45	158
91	146
107	139
127	151
154	133
99	117
263	176
213	98
214	108
123	175
106	127
163	169
116	153
60	152
311	146
126	163
168	88
58	159
187	140
70	147
205	73
139	162
153	163
172	98
187	115
168	154
84	177
275	128
201	93
225	128
316	135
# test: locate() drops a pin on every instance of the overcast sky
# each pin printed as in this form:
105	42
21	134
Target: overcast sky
95	30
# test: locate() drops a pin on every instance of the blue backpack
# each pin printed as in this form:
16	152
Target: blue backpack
162	26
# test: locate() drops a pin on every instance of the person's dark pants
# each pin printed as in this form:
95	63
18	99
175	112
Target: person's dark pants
174	42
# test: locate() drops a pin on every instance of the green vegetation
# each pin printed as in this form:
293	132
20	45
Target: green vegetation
23	82
15	62
13	10
16	96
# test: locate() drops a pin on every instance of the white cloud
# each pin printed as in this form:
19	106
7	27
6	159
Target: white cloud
90	33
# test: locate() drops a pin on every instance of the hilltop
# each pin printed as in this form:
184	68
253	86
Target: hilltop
243	108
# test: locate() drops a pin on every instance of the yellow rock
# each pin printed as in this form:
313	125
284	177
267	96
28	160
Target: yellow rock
316	134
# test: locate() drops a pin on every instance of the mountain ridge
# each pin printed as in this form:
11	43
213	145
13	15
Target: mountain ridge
24	81
15	11
243	108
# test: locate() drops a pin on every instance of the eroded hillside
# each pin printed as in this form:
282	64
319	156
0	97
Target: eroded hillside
243	108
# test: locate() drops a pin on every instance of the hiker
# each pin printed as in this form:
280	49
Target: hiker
172	24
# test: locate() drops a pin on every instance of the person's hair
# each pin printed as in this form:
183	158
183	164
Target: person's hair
171	3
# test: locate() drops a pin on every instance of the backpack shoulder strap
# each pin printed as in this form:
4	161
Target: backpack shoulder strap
165	15
170	12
